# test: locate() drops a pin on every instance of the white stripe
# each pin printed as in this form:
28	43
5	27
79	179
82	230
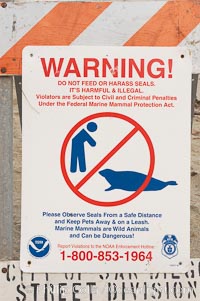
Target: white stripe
118	23
17	20
192	42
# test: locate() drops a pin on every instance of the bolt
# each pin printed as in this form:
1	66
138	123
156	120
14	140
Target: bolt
4	270
3	70
3	4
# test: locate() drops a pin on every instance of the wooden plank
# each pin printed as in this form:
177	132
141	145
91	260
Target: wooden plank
172	23
16	285
51	30
6	167
170	26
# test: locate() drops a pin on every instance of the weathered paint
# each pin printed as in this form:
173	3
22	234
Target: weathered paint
16	285
161	23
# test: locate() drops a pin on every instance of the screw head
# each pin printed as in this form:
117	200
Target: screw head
4	270
3	70
4	4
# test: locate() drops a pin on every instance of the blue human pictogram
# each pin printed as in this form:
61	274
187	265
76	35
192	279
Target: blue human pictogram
78	148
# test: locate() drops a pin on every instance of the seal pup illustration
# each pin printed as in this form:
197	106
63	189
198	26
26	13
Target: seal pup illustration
131	180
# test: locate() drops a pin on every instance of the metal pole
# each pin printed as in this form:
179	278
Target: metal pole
6	167
18	85
194	92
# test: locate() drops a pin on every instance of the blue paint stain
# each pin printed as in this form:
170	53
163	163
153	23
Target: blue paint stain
131	180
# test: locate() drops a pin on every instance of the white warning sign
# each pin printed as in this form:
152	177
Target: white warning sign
106	159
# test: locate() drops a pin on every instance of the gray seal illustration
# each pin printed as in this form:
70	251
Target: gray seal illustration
131	180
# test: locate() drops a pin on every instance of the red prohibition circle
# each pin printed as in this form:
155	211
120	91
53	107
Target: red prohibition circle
73	187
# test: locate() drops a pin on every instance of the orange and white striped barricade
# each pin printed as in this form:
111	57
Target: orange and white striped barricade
131	23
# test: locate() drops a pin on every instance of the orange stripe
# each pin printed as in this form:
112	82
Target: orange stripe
169	26
60	26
